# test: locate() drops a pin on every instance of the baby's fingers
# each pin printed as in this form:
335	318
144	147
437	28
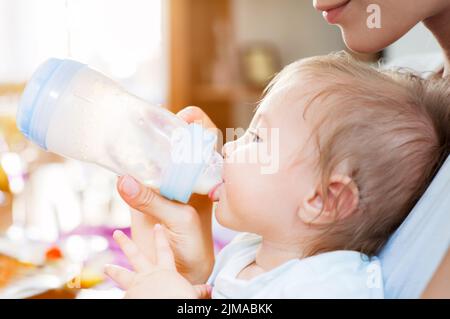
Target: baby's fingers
164	254
129	248
123	277
203	291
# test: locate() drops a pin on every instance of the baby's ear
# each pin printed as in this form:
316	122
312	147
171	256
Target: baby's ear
342	200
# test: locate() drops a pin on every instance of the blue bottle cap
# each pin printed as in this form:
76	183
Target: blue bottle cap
192	149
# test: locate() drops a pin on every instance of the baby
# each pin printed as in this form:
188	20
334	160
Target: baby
354	150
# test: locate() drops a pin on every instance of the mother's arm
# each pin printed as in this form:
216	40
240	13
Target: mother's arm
439	286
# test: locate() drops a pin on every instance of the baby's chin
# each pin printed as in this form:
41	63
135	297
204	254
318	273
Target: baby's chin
220	213
224	217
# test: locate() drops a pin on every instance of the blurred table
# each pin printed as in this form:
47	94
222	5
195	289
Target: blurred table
87	248
5	211
93	293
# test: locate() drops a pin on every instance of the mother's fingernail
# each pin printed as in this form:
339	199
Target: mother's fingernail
129	186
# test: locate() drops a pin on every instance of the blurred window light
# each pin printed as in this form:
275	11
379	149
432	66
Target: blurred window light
122	38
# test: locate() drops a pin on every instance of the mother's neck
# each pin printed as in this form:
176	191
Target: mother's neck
439	25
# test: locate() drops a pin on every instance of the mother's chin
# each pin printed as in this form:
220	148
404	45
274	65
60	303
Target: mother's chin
368	41
366	29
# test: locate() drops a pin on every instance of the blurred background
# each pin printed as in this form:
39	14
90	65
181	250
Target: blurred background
216	54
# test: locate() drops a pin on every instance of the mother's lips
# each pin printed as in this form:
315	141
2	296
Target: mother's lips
332	15
332	6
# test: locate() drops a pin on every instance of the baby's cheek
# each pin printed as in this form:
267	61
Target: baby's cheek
238	181
234	175
243	184
242	174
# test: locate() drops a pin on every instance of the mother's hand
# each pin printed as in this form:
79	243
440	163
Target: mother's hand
189	232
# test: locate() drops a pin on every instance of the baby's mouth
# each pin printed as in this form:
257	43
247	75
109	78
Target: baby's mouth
214	192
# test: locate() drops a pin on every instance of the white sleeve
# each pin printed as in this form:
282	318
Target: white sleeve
415	250
228	252
423	63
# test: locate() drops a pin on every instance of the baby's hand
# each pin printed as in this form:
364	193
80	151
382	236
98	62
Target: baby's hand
158	279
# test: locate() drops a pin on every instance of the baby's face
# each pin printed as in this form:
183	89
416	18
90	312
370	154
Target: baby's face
270	170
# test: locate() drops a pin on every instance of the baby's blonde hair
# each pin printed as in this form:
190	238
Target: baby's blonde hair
391	129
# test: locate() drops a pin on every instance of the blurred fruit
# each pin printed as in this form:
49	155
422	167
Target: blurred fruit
53	253
4	183
90	278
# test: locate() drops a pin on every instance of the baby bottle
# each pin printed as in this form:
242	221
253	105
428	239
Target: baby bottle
77	112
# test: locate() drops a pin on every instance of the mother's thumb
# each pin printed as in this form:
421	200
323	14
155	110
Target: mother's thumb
145	200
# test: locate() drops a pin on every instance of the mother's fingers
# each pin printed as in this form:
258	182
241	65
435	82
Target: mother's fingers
195	114
149	202
131	251
164	254
123	277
